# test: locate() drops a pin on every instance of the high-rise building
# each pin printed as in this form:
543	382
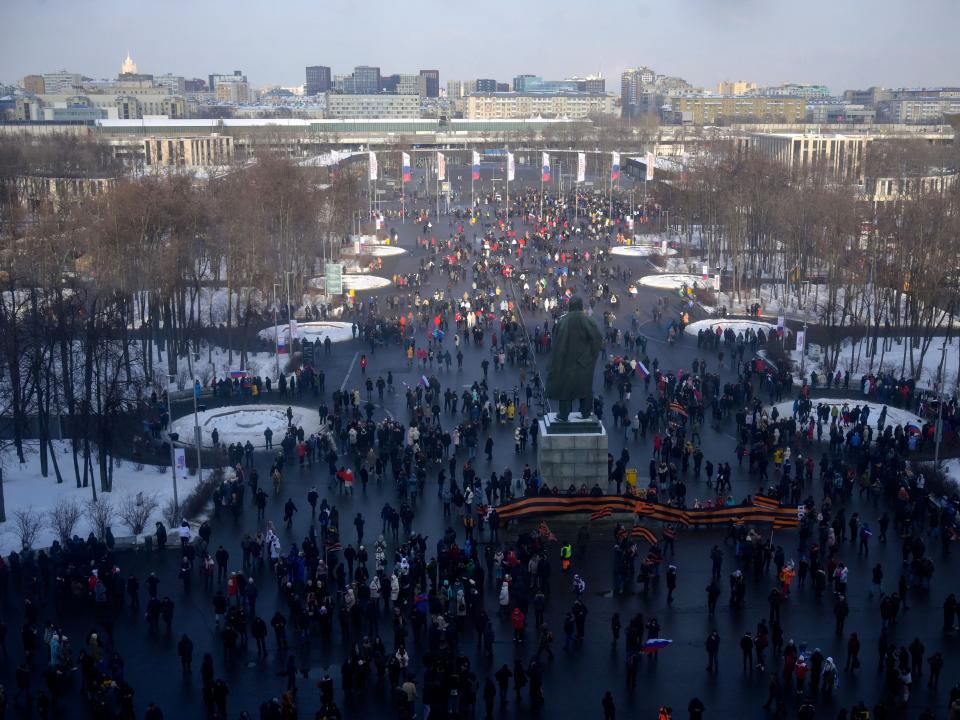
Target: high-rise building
591	83
631	90
366	80
216	79
233	92
736	87
485	85
128	67
195	85
33	84
62	82
388	83
431	80
318	80
455	89
520	82
174	83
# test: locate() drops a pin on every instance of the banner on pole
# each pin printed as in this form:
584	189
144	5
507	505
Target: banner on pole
545	163
475	162
373	166
281	345
716	282
581	166
706	273
441	166
801	340
651	160
180	463
781	323
294	329
614	166
405	162
511	167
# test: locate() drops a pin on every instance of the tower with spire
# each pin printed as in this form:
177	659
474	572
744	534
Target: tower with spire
129	67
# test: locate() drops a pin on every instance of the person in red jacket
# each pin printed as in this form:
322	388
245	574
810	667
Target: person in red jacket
519	621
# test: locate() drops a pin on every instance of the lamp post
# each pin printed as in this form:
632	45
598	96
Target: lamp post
940	396
276	332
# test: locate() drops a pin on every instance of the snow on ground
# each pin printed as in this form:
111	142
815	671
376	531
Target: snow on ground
895	416
355	282
240	423
312	331
377	250
672	281
951	468
25	488
895	359
737	326
640	250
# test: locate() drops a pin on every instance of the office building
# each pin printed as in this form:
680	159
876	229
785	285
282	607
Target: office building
828	112
62	82
736	87
210	150
366	80
841	156
33	84
591	83
719	110
408	85
455	89
317	80
919	110
376	106
808	92
233	92
175	84
485	85
575	106
195	85
872	96
520	82
431	80
216	79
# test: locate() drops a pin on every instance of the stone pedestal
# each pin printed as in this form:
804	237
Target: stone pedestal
572	452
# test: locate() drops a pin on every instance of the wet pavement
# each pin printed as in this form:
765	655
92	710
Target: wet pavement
577	679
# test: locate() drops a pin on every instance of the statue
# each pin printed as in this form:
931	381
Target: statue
576	342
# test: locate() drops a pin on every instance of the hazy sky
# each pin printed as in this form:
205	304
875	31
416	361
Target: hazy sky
840	43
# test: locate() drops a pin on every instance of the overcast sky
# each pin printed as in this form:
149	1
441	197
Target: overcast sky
840	43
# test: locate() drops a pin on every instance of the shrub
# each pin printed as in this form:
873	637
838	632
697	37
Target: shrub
101	514
135	510
27	524
63	518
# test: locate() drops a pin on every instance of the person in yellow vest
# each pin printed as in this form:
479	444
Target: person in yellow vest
566	555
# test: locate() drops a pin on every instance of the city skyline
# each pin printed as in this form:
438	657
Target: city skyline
744	39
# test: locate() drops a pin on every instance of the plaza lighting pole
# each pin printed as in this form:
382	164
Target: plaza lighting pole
276	332
940	393
196	427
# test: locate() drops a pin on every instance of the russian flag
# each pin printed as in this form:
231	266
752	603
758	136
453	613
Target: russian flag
642	371
546	166
615	166
281	345
406	167
476	165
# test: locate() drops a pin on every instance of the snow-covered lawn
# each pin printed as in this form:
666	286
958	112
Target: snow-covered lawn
737	326
896	359
240	423
673	281
355	282
24	488
312	331
640	250
895	416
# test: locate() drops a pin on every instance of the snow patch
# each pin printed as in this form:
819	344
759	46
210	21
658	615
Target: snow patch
314	331
640	250
358	283
895	416
673	281
240	423
737	326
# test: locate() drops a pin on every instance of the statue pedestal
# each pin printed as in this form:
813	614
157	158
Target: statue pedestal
572	451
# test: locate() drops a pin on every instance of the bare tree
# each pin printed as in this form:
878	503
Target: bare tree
135	510
63	518
101	514
28	524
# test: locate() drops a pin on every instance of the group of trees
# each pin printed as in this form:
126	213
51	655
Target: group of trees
105	297
854	266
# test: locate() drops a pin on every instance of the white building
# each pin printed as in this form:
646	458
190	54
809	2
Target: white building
373	106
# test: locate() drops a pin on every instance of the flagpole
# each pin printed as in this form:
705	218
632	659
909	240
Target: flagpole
438	188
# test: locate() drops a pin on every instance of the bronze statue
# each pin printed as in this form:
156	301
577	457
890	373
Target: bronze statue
576	342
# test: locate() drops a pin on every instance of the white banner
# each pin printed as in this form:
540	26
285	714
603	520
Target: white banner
545	165
373	166
441	166
581	167
180	463
294	329
716	283
801	340
476	158
650	162
706	272
511	168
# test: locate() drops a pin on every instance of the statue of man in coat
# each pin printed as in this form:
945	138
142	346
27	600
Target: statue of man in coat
574	347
